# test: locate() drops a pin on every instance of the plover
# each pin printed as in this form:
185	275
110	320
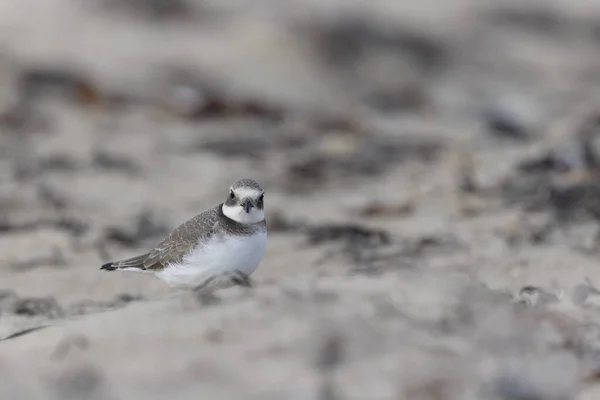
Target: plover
216	249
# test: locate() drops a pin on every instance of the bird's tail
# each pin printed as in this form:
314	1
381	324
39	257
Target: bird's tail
134	263
108	267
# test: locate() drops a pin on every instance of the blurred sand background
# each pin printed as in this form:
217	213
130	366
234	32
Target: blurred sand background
432	179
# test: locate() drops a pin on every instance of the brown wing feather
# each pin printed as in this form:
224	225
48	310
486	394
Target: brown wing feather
175	246
133	262
181	241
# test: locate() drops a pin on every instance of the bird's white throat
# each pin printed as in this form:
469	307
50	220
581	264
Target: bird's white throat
238	214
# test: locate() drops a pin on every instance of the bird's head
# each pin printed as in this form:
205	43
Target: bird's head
245	202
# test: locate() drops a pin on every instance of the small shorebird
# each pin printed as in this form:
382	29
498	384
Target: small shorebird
216	249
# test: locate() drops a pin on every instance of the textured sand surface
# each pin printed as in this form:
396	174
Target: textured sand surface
432	195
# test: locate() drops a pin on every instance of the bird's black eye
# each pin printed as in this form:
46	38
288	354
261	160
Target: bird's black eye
231	195
262	197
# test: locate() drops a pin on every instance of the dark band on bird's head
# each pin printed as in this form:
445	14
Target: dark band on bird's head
231	199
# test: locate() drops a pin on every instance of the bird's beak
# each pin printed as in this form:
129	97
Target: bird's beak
247	205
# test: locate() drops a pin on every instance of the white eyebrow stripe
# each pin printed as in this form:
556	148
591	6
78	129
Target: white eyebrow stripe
247	192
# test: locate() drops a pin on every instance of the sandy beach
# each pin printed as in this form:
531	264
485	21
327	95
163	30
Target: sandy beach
432	178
